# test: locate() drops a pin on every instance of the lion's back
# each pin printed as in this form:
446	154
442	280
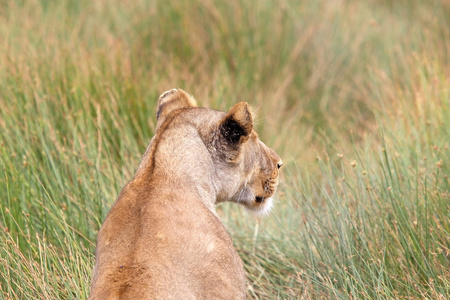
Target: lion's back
143	252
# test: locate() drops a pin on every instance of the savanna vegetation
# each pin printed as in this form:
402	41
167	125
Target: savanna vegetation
354	95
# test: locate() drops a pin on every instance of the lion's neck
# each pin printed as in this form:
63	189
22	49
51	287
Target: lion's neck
182	164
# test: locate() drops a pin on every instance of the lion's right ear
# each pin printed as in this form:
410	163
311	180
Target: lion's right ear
237	124
170	101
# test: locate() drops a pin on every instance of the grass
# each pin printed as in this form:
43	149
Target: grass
354	95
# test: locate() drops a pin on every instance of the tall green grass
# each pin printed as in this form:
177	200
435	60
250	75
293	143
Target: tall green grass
354	95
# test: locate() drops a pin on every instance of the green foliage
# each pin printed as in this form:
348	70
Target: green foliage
354	96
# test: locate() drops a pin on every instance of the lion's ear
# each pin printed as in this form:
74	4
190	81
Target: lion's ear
237	125
172	100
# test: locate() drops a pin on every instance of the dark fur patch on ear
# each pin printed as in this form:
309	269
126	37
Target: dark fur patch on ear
232	131
159	111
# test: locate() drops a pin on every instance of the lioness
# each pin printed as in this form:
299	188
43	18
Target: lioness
162	238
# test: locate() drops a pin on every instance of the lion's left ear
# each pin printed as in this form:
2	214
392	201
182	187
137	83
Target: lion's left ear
237	125
170	101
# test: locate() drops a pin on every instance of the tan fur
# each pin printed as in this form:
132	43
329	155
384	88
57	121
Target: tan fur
162	238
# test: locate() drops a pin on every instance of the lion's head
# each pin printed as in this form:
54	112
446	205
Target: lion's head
245	170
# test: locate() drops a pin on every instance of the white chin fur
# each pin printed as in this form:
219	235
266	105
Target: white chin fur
263	209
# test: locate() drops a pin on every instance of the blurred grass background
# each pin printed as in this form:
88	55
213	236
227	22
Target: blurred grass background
353	95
